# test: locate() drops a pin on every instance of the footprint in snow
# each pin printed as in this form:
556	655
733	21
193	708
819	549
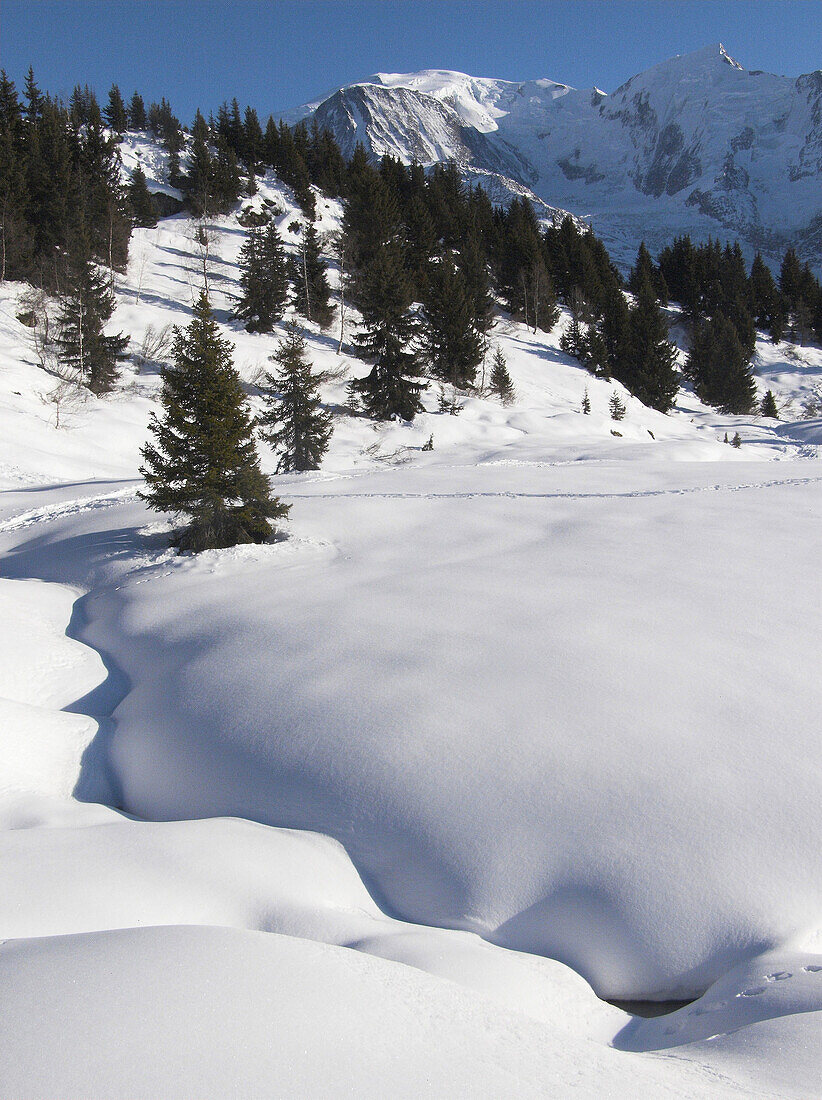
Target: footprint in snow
812	969
778	976
754	991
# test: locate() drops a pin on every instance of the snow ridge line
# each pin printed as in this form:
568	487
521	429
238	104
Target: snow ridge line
513	495
67	508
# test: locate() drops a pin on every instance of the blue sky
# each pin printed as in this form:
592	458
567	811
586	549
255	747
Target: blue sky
275	54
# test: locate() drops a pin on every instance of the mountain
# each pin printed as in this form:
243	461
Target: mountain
695	144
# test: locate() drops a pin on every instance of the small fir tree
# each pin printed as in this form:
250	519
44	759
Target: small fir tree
294	422
649	370
308	276
391	390
586	402
617	407
263	280
203	463
719	367
137	118
500	382
83	346
737	440
768	406
452	345
115	112
139	197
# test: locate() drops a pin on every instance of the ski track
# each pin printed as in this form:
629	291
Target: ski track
82	505
66	508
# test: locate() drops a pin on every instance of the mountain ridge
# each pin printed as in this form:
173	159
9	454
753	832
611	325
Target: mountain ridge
695	144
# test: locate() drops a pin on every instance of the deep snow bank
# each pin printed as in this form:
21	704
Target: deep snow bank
623	784
214	1012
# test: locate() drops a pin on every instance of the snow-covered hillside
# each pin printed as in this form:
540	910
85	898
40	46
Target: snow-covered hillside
696	144
385	806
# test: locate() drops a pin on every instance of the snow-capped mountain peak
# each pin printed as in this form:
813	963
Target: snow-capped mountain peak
695	144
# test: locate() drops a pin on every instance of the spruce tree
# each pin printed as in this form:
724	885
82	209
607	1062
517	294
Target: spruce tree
586	403
312	294
115	112
294	422
453	347
391	390
263	280
139	197
648	370
137	118
617	407
500	382
203	464
83	346
719	367
768	405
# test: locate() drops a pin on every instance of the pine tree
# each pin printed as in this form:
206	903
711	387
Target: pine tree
139	197
452	346
203	464
83	345
263	279
137	119
586	402
720	367
737	440
294	422
617	407
501	383
648	370
768	405
390	391
115	112
308	276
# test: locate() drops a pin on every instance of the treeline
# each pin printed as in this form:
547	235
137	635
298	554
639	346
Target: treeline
424	258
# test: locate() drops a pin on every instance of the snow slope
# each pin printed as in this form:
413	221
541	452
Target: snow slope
696	144
547	690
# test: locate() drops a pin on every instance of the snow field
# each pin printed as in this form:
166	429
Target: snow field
544	685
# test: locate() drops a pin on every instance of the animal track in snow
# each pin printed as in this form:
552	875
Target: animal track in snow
754	991
812	969
778	976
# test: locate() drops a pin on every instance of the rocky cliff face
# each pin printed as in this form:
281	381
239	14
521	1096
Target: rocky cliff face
696	144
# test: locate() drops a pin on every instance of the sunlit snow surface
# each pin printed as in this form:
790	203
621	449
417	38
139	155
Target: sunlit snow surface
543	688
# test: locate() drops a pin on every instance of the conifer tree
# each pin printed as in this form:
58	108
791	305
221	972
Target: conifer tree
617	407
83	345
137	118
453	347
139	197
115	112
199	184
203	464
768	405
263	279
586	402
390	391
648	370
719	367
500	382
308	276
294	422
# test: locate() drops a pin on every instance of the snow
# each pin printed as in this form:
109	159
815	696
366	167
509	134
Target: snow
383	807
696	144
